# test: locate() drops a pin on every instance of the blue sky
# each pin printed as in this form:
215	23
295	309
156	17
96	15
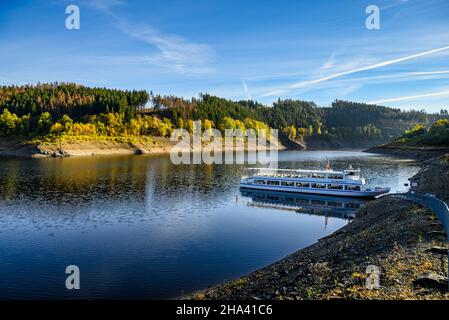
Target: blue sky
263	50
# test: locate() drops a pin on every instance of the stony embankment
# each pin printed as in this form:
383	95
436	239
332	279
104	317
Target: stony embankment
406	241
433	177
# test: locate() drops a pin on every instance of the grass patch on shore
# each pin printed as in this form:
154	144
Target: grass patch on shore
240	282
50	140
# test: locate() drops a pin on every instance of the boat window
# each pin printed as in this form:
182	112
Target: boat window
318	186
259	182
302	185
318	175
353	188
335	186
275	198
335	204
288	183
319	202
299	200
352	205
335	176
272	183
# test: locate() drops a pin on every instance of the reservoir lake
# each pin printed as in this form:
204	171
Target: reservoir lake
140	227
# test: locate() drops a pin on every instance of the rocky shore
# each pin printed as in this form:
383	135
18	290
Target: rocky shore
405	240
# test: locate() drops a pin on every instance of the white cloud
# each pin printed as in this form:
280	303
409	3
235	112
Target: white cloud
176	52
413	97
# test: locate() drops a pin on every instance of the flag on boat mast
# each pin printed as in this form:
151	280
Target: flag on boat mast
328	164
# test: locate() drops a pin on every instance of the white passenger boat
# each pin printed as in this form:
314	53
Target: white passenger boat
346	183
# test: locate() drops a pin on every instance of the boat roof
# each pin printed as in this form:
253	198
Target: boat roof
306	171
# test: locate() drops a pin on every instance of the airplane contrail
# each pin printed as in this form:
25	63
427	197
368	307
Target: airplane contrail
246	89
344	73
426	95
425	73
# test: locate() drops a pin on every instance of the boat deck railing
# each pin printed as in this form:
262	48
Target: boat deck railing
296	176
439	207
267	175
302	171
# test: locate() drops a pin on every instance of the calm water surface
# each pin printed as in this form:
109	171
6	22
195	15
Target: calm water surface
140	227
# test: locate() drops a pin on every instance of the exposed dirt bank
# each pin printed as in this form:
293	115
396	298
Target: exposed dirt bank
419	153
13	148
152	145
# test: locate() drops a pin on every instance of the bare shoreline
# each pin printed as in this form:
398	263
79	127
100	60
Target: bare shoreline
415	152
151	145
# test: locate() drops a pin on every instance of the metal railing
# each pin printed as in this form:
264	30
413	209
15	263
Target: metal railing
439	207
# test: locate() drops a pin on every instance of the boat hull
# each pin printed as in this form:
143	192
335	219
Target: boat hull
335	193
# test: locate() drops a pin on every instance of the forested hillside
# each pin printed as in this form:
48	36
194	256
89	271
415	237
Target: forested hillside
349	119
61	109
69	99
436	135
344	120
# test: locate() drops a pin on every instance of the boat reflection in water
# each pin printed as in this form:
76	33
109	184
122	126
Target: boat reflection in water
327	206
